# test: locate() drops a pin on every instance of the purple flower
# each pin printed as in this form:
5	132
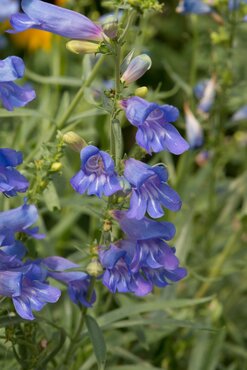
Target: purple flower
43	16
19	220
193	6
144	228
194	130
135	266
34	293
152	253
118	276
26	284
155	132
8	7
149	190
78	282
136	68
11	181
206	94
97	175
11	94
240	114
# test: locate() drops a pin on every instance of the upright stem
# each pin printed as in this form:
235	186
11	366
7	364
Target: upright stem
80	93
77	334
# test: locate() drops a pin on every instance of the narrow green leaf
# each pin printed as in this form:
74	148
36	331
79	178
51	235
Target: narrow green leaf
97	340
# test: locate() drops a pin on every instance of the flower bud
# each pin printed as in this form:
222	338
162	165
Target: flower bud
56	166
107	226
141	91
136	69
94	268
82	47
74	141
111	29
193	129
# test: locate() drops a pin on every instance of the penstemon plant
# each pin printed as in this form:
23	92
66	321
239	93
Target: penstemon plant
125	190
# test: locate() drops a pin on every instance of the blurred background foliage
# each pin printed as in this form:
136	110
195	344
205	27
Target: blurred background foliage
199	324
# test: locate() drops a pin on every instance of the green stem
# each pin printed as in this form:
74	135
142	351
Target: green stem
76	337
80	93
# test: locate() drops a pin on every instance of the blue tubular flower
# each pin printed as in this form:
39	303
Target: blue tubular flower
155	133
193	6
151	253
19	220
161	277
234	4
43	16
240	114
207	96
149	190
35	292
11	181
8	7
78	282
97	175
136	68
11	94
118	276
144	228
194	130
11	69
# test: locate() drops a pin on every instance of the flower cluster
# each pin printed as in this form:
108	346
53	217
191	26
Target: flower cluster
25	281
140	260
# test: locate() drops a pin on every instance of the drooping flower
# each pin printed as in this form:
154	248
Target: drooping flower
194	130
145	228
11	94
118	276
19	220
234	4
149	190
77	281
136	68
240	114
206	93
43	16
26	285
135	266
11	181
193	6
155	132
97	175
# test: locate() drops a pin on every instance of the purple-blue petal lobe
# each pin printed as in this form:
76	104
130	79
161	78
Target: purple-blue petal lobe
11	69
55	19
155	133
145	228
97	175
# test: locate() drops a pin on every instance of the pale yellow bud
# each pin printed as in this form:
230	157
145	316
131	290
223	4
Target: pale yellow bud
141	91
74	141
107	226
82	47
56	166
94	268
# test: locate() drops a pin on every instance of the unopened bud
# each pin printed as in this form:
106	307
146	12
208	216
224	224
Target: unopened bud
94	268
74	141
136	69
56	166
107	226
82	47
111	29
141	91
